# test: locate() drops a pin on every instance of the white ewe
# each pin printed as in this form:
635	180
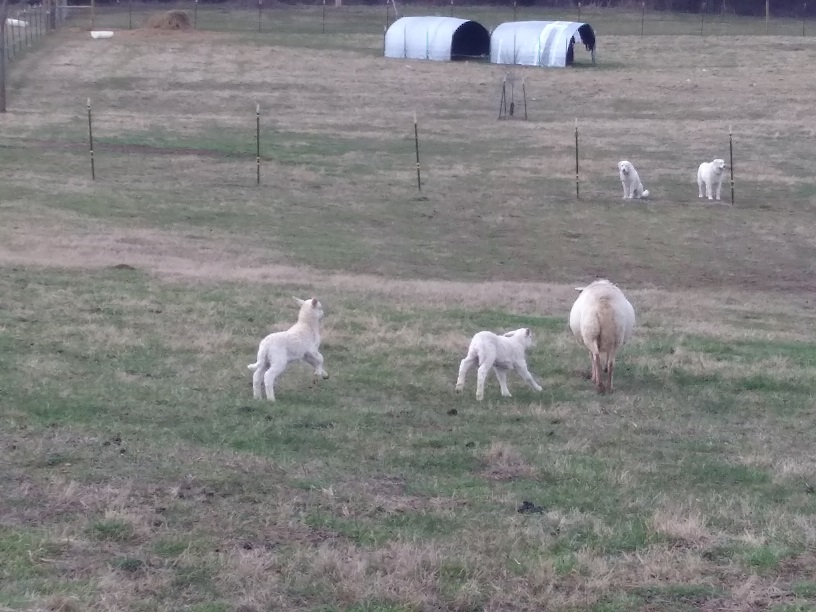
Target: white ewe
502	353
602	319
299	342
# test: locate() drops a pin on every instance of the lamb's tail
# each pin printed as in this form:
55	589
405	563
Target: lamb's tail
645	193
254	366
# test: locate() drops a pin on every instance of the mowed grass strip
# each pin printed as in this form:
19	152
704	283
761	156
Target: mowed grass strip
138	467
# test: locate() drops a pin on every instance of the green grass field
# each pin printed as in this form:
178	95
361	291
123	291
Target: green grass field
137	472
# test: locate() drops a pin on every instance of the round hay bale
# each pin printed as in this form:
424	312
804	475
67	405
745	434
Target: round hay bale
169	20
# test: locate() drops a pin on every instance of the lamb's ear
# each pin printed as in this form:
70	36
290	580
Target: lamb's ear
508	334
527	332
314	302
579	289
299	301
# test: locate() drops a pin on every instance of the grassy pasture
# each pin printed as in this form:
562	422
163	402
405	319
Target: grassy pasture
139	474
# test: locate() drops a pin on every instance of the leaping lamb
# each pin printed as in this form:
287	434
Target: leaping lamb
278	349
502	353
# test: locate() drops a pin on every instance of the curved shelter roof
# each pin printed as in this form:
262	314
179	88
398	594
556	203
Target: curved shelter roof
436	38
539	43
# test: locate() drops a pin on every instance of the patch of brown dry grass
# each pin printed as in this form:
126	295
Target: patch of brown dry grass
503	462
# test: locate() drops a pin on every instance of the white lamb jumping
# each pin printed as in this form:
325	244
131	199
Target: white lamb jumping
603	320
502	353
299	342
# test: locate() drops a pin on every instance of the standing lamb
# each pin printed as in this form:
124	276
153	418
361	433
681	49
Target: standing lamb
299	342
602	319
502	353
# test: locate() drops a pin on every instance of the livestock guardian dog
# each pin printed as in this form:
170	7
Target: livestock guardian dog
710	176
632	187
299	342
502	353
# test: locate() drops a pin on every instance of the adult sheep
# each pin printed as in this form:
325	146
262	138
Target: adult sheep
602	319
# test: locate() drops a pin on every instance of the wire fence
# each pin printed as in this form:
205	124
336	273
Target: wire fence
323	17
27	25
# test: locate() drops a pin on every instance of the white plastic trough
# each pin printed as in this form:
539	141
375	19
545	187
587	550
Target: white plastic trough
102	34
16	22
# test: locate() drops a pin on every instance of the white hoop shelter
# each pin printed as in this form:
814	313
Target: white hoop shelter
437	38
539	43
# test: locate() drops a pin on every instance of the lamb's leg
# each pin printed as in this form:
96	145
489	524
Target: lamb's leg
465	365
257	382
481	376
275	370
719	190
708	190
522	370
625	191
501	375
700	187
315	360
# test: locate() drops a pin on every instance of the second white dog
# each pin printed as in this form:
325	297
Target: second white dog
710	176
503	354
299	342
632	187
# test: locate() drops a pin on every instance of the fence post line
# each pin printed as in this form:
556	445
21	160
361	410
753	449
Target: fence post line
93	13
451	8
323	27
731	161
524	94
195	15
260	9
416	144
577	188
702	17
90	142
767	14
804	12
257	144
579	11
502	100
130	14
514	10
642	16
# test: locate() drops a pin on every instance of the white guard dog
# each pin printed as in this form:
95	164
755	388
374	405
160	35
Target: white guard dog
299	342
710	176
632	187
502	353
